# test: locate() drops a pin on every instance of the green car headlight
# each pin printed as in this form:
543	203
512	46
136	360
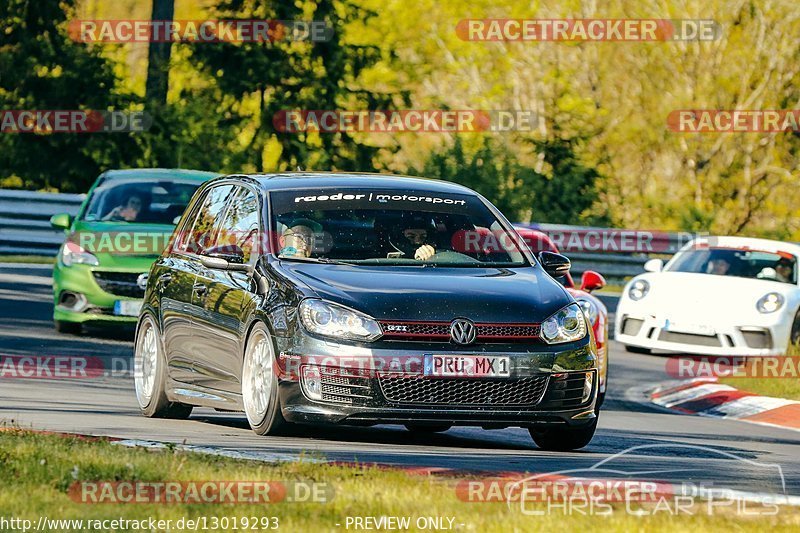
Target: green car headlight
72	254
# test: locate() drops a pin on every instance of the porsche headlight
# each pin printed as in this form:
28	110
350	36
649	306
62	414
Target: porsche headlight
331	320
72	254
566	325
770	302
589	309
638	289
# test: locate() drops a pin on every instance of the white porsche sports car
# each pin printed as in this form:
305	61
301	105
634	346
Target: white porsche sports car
731	296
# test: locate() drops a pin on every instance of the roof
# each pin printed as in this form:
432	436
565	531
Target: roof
763	245
165	173
315	180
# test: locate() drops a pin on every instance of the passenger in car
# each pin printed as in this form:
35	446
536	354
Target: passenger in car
718	267
784	270
297	239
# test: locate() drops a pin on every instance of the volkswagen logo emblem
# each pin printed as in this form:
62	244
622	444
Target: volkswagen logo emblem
463	331
141	281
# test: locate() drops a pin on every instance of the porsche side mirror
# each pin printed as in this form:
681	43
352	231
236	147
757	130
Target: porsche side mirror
592	281
554	264
654	265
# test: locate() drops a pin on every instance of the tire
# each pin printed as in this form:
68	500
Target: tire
601	397
794	336
433	428
260	384
73	328
564	439
638	349
150	375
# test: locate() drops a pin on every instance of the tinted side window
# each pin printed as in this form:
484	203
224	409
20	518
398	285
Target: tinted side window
241	223
201	235
184	226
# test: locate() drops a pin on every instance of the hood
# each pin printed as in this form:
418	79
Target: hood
435	294
121	244
698	296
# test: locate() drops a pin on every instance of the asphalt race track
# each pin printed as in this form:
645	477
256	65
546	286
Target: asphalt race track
679	448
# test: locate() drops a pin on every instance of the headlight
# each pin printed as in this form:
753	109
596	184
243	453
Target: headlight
589	309
638	289
770	302
333	320
566	325
72	254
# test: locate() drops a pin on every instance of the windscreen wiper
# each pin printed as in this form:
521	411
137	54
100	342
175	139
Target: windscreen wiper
323	260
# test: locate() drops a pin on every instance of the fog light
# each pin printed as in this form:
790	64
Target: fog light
312	382
72	301
587	387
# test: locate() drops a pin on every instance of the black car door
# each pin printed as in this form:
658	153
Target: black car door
225	296
175	275
177	281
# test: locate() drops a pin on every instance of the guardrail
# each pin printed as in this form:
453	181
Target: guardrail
618	254
24	221
25	230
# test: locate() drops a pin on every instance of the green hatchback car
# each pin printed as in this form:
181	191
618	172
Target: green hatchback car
121	228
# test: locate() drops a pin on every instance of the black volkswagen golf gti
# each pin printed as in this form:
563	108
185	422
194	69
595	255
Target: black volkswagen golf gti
363	299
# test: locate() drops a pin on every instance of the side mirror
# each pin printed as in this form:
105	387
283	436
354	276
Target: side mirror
592	281
654	265
61	221
229	257
554	264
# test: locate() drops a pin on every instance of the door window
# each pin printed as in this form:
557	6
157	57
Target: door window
240	226
202	234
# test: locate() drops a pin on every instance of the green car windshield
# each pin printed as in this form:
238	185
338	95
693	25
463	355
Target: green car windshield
141	201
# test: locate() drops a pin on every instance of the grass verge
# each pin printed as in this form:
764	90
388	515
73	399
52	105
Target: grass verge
28	259
37	471
783	387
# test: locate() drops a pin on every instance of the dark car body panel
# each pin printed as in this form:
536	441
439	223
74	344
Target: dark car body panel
204	332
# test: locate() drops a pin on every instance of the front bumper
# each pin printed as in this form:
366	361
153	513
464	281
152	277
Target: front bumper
78	297
761	336
387	385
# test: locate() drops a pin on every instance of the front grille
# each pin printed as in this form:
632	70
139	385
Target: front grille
631	326
345	385
440	331
422	390
689	338
565	391
757	338
119	283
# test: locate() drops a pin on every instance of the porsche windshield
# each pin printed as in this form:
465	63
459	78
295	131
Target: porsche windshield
390	227
740	263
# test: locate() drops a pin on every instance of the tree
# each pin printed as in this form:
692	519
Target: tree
263	78
43	69
158	57
564	194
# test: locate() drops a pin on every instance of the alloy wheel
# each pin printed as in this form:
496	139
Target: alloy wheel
257	378
146	363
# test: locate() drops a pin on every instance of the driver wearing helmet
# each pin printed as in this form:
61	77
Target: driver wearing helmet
414	238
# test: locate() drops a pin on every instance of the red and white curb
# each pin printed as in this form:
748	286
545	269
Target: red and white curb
707	397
